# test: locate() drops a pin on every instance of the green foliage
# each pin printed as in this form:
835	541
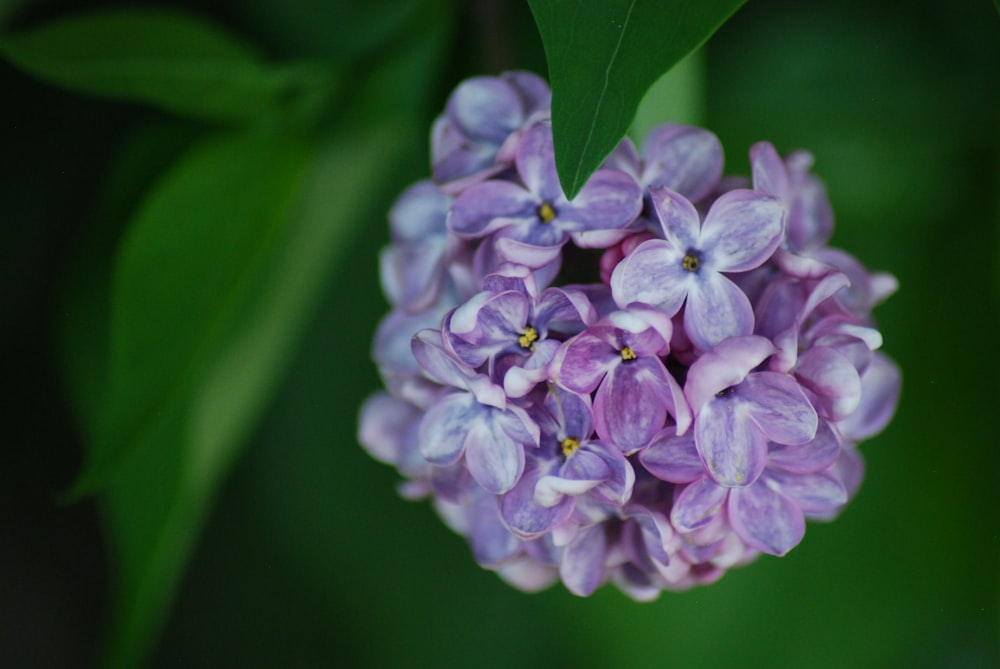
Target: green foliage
603	55
173	61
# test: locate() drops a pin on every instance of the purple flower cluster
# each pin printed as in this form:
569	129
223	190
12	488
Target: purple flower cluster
649	383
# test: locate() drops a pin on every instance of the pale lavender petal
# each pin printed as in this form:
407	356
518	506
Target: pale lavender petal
598	239
777	404
880	387
445	428
419	212
536	251
411	274
553	489
519	381
678	218
524	517
653	275
810	221
492	543
685	159
534	91
629	408
518	425
624	158
609	200
616	489
697	504
497	320
536	163
770	175
716	310
816	492
485	108
741	231
582	568
732	447
572	412
385	427
724	366
566	310
834	381
812	456
435	362
494	459
672	458
585	362
765	519
489	206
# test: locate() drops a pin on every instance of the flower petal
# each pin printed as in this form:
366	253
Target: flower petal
811	456
524	517
741	231
489	206
716	309
685	159
816	492
494	459
732	447
445	428
765	519
672	458
609	200
778	405
653	275
584	362
678	218
697	504
629	409
880	386
582	568
724	366
832	379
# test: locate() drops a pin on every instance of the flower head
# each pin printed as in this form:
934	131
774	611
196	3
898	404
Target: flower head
650	384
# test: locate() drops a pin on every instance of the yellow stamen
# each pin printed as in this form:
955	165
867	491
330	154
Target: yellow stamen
628	354
529	337
570	446
546	212
691	262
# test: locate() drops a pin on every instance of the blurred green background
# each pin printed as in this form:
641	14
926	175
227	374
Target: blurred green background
310	559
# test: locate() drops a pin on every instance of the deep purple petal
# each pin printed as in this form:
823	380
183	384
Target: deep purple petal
778	405
765	519
445	428
685	159
489	206
731	445
697	504
716	310
653	275
741	230
494	459
672	458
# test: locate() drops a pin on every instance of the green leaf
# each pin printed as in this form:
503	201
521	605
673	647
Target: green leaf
602	56
214	285
173	61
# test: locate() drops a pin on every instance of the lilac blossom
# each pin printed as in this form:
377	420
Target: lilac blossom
476	421
768	514
483	118
741	230
619	357
530	223
737	410
591	397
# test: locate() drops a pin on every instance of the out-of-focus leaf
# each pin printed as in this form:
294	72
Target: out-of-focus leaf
215	282
173	61
602	56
